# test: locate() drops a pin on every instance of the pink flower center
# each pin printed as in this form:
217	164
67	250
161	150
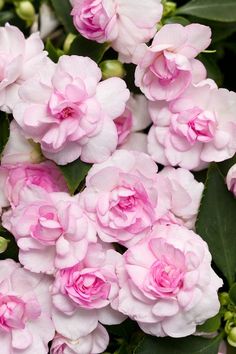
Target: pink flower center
67	112
12	313
165	70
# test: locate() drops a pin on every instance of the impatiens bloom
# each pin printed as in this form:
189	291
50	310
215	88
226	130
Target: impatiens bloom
124	23
51	230
82	294
43	177
134	119
94	343
231	179
183	192
167	284
167	67
70	113
19	59
121	197
25	310
194	130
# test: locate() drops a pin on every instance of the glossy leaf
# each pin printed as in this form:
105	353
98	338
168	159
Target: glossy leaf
216	222
63	9
74	174
216	10
211	325
85	47
232	293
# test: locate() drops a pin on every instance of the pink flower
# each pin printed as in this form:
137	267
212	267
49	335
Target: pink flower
231	179
25	310
134	119
73	114
82	295
51	230
121	197
116	21
222	348
171	289
167	67
183	193
94	343
19	59
42	177
194	130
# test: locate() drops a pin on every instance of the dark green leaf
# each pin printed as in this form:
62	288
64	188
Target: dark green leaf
216	10
226	165
74	174
211	325
63	9
124	330
177	19
216	222
4	130
53	53
6	16
188	345
91	49
232	293
213	70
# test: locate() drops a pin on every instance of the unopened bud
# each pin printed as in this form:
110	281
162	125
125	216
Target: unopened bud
112	68
25	10
229	326
3	244
168	8
68	41
224	299
232	337
228	316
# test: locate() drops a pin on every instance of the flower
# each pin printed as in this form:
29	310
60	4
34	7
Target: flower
167	67
73	115
195	129
123	23
51	230
82	295
231	179
44	176
173	288
94	343
25	310
121	197
19	59
134	119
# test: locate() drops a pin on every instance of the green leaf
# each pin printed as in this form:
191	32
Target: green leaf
177	19
63	9
188	345
74	174
216	10
6	16
232	293
226	165
4	130
91	49
213	70
211	325
53	53
216	222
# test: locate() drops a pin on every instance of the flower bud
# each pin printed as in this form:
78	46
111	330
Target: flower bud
232	337
68	41
224	299
2	3
228	316
3	244
168	8
112	68
229	326
25	10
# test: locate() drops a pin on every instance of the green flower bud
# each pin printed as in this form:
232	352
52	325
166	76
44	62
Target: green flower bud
3	244
68	41
229	325
228	316
112	68
25	10
232	337
168	8
2	3
224	299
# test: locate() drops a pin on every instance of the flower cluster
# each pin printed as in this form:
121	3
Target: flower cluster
72	278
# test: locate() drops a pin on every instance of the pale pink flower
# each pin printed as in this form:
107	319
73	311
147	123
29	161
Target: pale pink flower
194	130
124	23
73	115
25	310
19	59
121	197
231	179
51	230
167	284
94	343
222	348
82	294
129	125
168	66
44	177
